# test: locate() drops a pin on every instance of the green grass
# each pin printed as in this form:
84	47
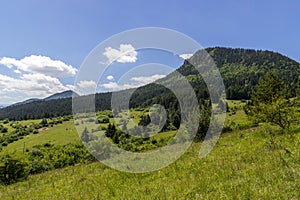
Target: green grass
237	117
59	134
164	135
243	165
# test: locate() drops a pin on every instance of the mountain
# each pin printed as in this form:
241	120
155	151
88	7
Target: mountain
240	68
62	95
59	104
2	106
26	101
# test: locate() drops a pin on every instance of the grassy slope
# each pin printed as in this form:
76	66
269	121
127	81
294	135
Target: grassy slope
241	166
62	134
59	134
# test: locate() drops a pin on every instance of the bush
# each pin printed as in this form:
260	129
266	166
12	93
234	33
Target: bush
11	170
3	129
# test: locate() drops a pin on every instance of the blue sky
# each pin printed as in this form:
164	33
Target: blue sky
62	33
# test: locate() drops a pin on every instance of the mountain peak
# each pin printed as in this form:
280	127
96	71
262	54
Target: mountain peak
62	95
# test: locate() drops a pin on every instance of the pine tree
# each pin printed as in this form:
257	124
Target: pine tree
270	102
85	135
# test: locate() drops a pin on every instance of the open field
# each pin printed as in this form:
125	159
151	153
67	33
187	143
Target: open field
242	166
59	134
245	164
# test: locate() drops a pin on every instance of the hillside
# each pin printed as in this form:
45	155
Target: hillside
243	165
240	69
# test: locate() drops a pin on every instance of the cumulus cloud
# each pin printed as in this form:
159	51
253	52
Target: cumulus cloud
40	65
110	78
86	84
186	56
125	54
84	87
38	77
30	85
134	82
147	79
113	86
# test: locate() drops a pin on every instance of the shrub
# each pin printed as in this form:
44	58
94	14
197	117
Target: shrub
11	170
3	129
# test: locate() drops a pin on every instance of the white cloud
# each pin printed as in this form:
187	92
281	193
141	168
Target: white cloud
186	56
113	86
40	65
17	71
125	54
84	87
110	78
134	82
39	77
87	84
30	85
147	79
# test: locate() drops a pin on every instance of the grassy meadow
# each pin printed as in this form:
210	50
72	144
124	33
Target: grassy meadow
245	164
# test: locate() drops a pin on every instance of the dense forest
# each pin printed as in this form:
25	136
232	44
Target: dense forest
240	68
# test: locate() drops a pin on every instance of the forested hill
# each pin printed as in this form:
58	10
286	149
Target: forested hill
240	69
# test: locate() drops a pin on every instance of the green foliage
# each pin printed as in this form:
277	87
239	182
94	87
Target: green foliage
240	155
40	159
46	157
242	68
111	130
85	135
270	102
44	122
11	170
145	120
237	168
3	129
204	120
10	137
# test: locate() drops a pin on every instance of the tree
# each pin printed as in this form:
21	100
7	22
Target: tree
44	122
111	130
85	136
124	126
145	120
270	102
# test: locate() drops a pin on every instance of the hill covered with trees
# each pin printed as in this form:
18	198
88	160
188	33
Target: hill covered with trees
240	68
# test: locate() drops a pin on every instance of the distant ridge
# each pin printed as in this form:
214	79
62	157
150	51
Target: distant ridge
61	95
